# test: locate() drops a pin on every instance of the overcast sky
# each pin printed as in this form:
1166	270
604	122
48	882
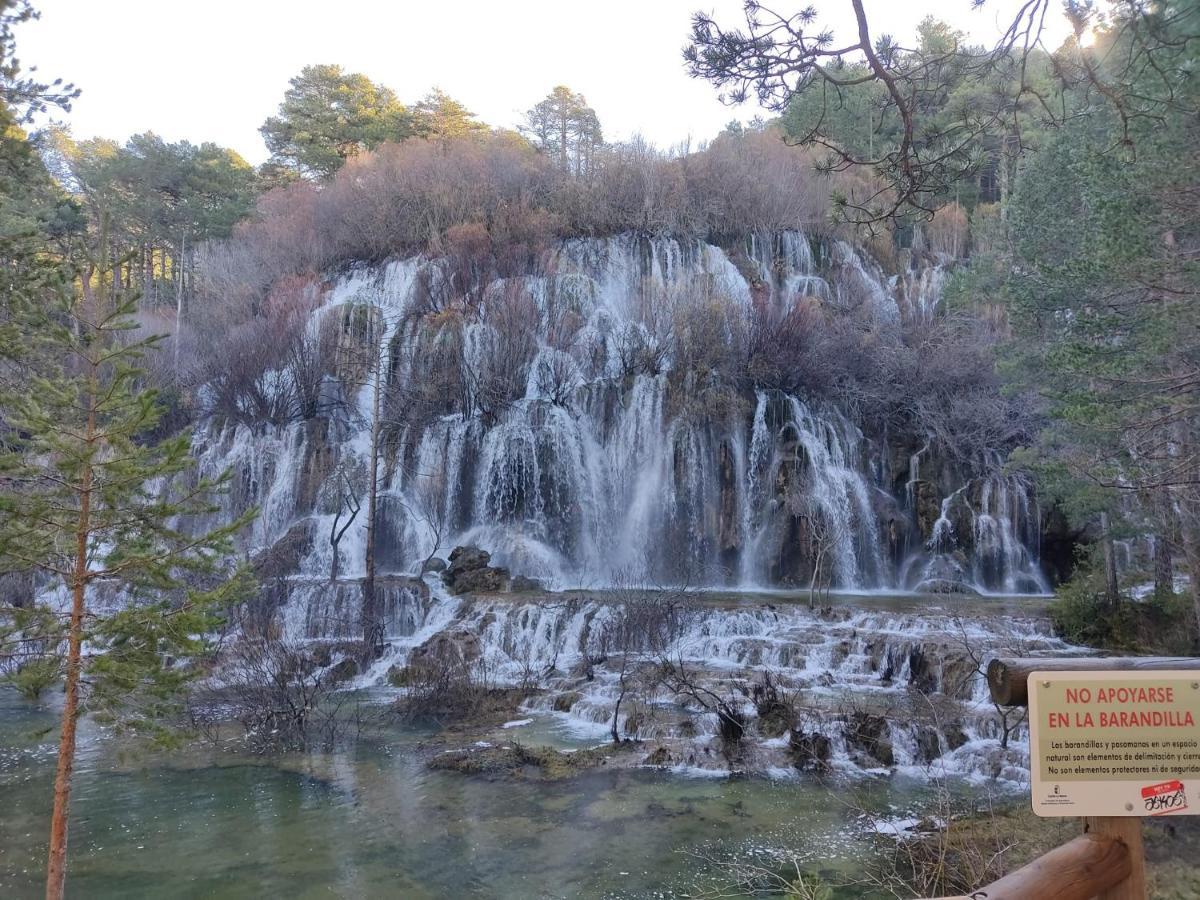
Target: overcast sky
213	70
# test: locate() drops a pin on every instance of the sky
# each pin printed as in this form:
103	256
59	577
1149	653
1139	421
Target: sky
213	70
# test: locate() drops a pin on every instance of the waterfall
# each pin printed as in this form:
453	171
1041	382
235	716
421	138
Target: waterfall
597	458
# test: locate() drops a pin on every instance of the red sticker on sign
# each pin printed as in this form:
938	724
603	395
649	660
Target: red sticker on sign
1164	798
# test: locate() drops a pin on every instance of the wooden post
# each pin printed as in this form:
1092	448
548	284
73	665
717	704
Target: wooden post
1081	869
1008	681
1008	678
1127	830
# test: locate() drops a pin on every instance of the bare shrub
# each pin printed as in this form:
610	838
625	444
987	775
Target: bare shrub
448	679
281	694
780	346
498	351
675	675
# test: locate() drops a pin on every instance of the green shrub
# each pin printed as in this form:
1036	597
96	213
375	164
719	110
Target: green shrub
1156	624
35	676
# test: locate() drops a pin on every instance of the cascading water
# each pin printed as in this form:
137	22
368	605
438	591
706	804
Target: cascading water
581	453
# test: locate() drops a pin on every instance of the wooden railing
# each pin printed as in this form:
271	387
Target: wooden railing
1107	861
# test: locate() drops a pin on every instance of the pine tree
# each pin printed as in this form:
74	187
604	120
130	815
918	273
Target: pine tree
87	499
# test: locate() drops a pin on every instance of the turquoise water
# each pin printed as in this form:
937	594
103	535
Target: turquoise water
374	821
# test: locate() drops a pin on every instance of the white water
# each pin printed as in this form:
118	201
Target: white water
918	672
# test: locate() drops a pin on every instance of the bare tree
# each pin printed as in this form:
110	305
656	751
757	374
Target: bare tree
342	493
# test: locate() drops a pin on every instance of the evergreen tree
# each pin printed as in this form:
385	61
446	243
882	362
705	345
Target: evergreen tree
328	116
440	115
565	128
87	500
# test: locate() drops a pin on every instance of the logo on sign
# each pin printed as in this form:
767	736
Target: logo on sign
1164	798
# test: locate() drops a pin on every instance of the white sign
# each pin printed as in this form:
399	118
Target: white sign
1115	743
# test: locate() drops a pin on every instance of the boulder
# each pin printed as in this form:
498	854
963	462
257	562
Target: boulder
946	574
343	670
284	556
469	572
435	564
659	756
446	650
955	736
922	675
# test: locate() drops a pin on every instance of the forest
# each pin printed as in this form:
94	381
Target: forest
740	457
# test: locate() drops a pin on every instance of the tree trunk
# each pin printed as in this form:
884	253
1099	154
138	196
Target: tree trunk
179	300
147	271
372	628
56	869
1111	591
1002	178
1164	567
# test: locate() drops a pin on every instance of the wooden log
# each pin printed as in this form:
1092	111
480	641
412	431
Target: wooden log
1008	678
1127	830
1078	870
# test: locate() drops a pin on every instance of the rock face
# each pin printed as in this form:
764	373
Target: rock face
469	572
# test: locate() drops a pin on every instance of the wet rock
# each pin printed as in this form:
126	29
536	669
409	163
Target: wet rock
320	457
522	585
928	506
435	564
809	750
955	736
869	733
775	719
284	556
634	722
445	650
958	675
946	574
343	670
469	572
921	672
564	702
519	762
929	747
